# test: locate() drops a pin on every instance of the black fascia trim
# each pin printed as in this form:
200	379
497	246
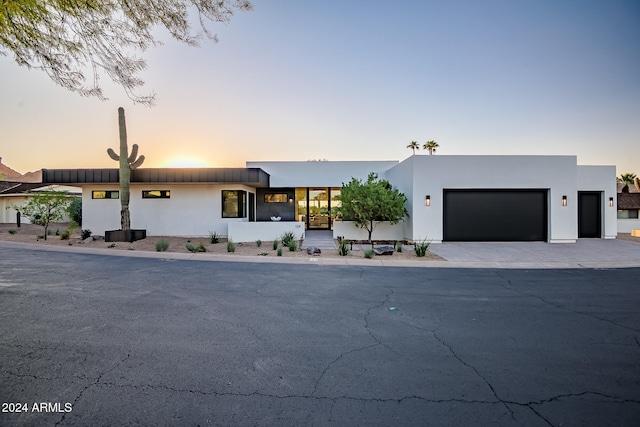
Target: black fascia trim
254	177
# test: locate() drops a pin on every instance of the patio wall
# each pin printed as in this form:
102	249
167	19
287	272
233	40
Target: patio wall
265	231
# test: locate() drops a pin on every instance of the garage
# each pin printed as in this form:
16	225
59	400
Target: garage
498	215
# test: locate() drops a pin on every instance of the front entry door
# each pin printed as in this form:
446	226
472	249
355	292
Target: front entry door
318	208
589	214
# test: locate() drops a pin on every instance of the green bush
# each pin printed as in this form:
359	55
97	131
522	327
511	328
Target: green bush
293	246
195	248
421	248
162	245
368	253
288	237
343	247
279	251
65	234
275	243
85	234
231	247
75	210
12	231
258	243
214	237
399	247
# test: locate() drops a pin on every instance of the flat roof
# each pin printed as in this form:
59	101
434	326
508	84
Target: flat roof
254	177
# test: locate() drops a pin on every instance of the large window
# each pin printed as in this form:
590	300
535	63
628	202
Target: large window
156	194
234	204
628	214
275	198
106	194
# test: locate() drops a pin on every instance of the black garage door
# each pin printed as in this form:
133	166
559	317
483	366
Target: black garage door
495	215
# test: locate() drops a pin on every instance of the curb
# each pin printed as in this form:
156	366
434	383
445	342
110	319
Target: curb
326	261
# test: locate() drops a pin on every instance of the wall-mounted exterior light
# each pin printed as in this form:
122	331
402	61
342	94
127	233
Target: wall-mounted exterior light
290	201
427	201
564	200
610	202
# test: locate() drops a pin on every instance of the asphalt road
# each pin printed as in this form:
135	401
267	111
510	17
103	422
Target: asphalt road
91	340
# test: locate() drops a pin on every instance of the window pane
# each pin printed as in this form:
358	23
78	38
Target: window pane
156	194
275	198
98	194
229	204
633	213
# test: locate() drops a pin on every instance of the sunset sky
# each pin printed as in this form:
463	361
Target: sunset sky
357	80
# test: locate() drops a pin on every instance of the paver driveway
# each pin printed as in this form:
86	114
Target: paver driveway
132	341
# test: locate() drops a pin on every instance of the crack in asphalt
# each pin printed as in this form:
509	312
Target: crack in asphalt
560	306
366	326
95	383
484	379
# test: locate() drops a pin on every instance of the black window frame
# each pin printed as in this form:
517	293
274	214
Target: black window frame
106	193
164	194
241	200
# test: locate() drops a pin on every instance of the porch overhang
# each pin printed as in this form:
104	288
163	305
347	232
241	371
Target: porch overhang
253	177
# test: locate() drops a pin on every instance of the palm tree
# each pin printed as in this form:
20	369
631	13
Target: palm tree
627	179
414	146
431	147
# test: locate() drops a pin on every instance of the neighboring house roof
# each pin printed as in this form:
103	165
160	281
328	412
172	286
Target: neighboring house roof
12	187
629	200
254	177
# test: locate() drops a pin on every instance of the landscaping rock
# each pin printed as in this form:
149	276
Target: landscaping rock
313	250
384	250
88	239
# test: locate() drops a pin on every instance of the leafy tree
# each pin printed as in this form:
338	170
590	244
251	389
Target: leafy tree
431	146
414	146
44	208
75	210
371	202
627	179
71	40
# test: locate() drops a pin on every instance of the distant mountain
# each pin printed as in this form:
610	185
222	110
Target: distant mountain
8	174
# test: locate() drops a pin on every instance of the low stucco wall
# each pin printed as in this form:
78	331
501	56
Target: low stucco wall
265	231
626	225
382	231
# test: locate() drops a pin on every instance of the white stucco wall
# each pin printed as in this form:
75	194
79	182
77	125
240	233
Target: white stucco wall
382	231
193	210
265	231
431	174
319	174
626	225
602	179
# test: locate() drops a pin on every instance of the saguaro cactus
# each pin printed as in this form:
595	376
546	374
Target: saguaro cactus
127	164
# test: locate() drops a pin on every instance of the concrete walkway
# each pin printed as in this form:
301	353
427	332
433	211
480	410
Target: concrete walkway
587	253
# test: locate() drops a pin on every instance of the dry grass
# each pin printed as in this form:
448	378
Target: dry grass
29	234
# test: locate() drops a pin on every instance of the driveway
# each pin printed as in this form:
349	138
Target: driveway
601	251
134	341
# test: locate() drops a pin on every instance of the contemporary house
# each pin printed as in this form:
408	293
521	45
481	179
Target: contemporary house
628	209
450	198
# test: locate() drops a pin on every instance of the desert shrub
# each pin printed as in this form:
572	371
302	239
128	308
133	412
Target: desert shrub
195	248
85	234
293	246
421	248
343	247
75	210
275	244
49	232
368	253
162	245
65	234
287	238
231	247
214	237
399	247
279	252
12	231
258	243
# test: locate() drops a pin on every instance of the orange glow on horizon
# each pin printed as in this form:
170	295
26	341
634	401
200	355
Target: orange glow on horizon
185	162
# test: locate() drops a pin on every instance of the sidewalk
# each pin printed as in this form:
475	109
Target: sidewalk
588	253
